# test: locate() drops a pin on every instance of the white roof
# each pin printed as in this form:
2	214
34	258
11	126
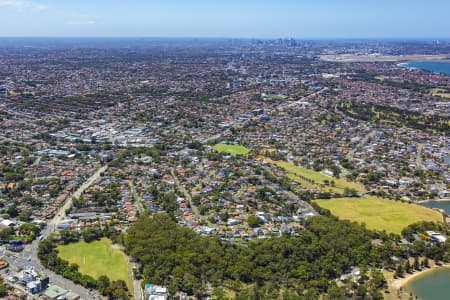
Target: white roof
159	289
7	222
157	298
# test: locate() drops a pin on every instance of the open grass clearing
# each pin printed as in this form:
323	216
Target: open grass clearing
311	186
231	149
97	258
378	213
440	92
316	177
278	97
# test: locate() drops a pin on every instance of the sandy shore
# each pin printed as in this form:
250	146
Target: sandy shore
401	282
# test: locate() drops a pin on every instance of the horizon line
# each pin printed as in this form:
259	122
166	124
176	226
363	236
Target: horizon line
225	37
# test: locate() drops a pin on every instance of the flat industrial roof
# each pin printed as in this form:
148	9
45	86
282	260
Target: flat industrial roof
54	291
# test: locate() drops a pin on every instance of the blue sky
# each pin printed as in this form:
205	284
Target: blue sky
228	18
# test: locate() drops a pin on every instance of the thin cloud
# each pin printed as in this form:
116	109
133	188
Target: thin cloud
88	22
23	4
82	19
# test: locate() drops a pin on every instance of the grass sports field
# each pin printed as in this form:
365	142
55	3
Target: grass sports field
318	178
231	149
440	92
379	213
97	258
277	97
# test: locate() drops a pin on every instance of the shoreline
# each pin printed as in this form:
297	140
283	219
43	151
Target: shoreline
436	200
349	58
406	65
402	282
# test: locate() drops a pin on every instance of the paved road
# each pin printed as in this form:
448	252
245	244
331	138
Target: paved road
288	105
292	195
137	291
212	138
419	161
186	195
28	258
61	214
361	143
24	260
137	283
137	199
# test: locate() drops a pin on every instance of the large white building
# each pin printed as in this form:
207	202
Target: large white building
155	292
436	236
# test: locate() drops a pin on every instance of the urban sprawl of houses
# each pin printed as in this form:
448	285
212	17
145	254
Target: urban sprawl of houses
101	135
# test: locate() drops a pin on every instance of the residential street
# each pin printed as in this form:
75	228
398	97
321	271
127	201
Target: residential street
61	214
360	144
28	258
186	195
137	199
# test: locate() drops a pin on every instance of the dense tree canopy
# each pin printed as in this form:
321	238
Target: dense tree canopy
310	262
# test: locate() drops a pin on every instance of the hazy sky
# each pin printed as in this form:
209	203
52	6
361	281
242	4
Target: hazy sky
227	18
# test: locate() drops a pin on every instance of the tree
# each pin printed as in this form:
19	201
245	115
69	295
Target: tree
416	263
79	202
310	262
361	292
350	192
407	267
248	294
399	271
3	289
91	234
253	221
103	284
5	234
336	171
74	267
29	229
25	215
336	293
118	290
68	236
12	211
224	216
426	262
377	283
219	294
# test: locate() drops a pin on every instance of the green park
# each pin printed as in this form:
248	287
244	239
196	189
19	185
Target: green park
97	258
231	149
378	213
316	180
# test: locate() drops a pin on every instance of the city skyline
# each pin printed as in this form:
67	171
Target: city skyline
325	19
